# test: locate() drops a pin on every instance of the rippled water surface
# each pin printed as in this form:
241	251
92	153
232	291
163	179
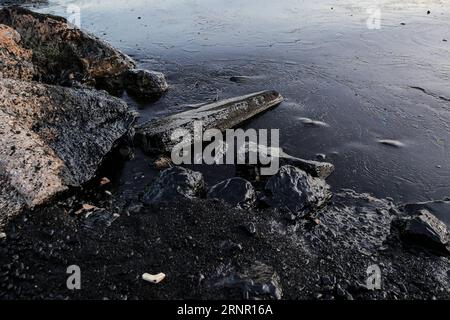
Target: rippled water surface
367	84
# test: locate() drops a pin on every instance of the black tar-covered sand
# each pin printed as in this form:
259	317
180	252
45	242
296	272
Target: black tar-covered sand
210	251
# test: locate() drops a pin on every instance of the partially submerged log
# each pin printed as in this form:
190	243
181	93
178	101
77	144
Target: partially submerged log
155	135
53	138
252	172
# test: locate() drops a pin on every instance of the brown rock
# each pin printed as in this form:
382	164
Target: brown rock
15	61
104	181
60	50
163	162
53	138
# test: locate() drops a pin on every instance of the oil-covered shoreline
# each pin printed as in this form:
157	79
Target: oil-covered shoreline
64	137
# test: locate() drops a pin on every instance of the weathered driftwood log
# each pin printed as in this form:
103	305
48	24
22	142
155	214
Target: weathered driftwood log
155	135
314	168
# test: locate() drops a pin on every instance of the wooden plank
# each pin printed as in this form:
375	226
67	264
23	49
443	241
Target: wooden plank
155	135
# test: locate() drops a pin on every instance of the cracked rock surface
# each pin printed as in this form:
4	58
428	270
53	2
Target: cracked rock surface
63	54
53	138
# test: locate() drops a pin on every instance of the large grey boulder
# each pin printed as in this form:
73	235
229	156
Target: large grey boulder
174	183
53	138
63	53
49	49
237	192
296	191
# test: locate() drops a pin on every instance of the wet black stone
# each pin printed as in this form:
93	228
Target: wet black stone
294	190
259	281
249	228
424	229
237	192
99	219
173	183
145	84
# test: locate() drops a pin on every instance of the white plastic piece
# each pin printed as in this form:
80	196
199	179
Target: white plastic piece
153	278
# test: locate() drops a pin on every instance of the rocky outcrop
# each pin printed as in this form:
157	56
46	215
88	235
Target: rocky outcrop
237	192
53	138
61	53
53	51
174	183
294	190
15	61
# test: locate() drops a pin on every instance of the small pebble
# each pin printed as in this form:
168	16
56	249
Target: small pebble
250	228
104	181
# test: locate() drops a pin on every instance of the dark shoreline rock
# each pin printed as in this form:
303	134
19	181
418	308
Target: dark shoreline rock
237	192
145	84
174	183
439	208
62	53
424	229
294	190
258	282
65	55
54	138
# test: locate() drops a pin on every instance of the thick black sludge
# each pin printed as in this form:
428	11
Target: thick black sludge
207	252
